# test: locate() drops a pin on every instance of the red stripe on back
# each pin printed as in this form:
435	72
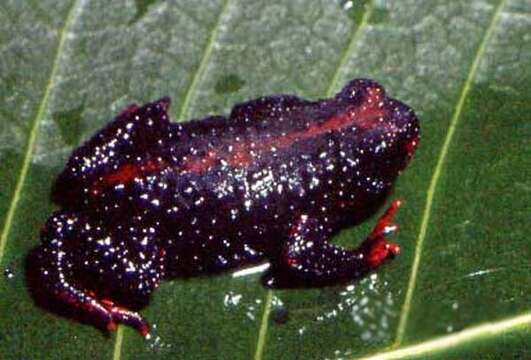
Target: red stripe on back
363	117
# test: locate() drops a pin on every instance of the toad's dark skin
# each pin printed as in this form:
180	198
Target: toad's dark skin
146	200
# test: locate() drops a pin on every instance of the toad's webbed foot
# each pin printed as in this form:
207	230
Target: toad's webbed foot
308	259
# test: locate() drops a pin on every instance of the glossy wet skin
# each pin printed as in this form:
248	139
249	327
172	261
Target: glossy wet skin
146	199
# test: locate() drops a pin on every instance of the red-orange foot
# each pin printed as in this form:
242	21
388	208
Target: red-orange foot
376	248
125	316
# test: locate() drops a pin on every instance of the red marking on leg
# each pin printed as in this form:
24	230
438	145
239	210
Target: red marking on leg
105	310
144	330
376	248
125	174
111	326
394	248
386	219
92	306
380	251
125	316
131	318
107	303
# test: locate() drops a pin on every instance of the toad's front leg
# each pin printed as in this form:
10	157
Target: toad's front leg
91	267
308	259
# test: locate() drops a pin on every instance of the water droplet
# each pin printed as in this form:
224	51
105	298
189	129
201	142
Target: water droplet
276	301
154	341
302	330
354	8
250	315
449	328
9	273
368	304
231	299
357	9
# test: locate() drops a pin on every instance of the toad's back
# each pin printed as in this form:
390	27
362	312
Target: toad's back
145	199
227	192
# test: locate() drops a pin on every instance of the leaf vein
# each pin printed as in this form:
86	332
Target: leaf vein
430	194
486	330
192	90
72	15
350	48
118	341
262	335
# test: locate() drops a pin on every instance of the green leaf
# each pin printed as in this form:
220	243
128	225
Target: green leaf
461	287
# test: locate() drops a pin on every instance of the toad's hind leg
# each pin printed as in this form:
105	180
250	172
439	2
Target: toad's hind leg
61	272
308	259
128	146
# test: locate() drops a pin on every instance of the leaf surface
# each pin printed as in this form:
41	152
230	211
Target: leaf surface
461	286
